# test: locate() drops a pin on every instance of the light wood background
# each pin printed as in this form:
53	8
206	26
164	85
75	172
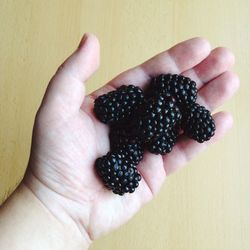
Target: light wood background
204	206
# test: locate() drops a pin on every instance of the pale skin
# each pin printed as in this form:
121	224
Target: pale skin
64	196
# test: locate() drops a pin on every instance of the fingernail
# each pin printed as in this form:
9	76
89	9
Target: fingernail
82	41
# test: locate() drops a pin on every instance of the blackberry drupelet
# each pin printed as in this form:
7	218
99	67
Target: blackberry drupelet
182	88
163	144
118	105
198	123
117	173
157	115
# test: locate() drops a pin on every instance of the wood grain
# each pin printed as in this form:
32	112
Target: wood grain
204	206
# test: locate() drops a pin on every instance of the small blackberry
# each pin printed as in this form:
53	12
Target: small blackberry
132	152
182	88
118	105
117	173
198	123
157	115
122	139
163	144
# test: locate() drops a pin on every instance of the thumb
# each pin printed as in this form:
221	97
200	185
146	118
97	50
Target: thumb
66	89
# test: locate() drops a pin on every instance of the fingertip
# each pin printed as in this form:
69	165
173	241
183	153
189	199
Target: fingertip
228	119
86	59
226	51
200	42
234	80
219	90
229	85
203	42
91	40
224	55
223	122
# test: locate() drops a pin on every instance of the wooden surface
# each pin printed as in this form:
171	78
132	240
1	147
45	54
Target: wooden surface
204	206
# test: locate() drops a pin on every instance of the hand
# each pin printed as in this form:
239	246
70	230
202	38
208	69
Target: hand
68	138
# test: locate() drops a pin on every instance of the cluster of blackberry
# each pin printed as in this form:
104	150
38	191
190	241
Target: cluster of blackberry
151	120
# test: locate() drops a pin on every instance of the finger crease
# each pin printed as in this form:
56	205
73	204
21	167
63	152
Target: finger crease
174	62
147	184
195	75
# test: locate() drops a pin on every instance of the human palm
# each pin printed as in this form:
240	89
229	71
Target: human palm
68	138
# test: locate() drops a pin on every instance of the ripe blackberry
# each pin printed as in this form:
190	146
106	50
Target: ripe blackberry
118	105
198	123
182	88
132	152
122	139
123	134
163	144
157	115
117	173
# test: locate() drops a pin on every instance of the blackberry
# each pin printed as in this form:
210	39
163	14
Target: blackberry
182	88
123	134
118	105
122	139
117	173
157	115
163	144
198	123
132	152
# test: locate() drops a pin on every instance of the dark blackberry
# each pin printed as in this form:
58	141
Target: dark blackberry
122	139
122	135
182	88
117	173
132	152
198	123
163	144
157	115
118	105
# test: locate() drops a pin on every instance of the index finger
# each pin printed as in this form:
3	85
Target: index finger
177	59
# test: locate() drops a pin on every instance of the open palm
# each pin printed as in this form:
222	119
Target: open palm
68	138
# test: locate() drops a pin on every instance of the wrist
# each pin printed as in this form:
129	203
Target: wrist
28	224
